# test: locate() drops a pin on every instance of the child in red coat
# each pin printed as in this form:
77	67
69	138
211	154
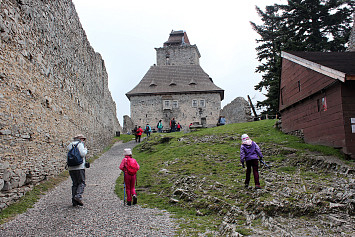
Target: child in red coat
130	167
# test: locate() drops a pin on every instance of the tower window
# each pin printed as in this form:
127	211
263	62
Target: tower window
194	103
175	104
202	103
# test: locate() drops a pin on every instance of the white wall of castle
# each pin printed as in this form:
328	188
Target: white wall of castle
151	109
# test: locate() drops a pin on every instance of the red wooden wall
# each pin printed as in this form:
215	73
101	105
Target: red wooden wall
301	93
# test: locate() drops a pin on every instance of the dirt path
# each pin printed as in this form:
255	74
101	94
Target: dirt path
103	213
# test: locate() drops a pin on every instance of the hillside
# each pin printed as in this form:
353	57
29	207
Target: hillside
307	190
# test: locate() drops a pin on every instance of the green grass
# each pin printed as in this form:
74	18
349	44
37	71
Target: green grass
209	161
124	138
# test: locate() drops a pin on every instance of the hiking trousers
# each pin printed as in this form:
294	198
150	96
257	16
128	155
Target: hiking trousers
255	164
130	182
78	178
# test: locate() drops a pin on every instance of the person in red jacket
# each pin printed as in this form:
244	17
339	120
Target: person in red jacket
139	133
129	178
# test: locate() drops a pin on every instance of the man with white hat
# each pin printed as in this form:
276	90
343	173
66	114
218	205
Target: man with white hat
77	172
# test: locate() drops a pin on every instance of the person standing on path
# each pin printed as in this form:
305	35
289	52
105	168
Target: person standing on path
160	126
139	134
250	153
148	130
77	173
135	132
130	167
172	125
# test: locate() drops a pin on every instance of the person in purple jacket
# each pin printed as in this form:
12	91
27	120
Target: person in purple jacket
250	153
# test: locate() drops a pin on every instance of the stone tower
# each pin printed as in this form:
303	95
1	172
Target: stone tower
176	87
178	51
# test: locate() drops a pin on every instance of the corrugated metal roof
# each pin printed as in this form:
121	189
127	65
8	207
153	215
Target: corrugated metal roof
175	79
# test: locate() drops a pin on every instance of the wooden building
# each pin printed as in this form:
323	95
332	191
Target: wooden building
317	97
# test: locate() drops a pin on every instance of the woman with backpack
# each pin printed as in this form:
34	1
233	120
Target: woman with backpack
139	132
148	130
130	167
160	126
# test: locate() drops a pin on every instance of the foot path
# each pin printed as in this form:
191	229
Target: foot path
103	213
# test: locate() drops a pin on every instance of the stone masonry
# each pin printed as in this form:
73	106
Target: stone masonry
175	87
53	85
184	113
237	111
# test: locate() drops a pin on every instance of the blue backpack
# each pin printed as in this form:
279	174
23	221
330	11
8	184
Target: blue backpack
74	158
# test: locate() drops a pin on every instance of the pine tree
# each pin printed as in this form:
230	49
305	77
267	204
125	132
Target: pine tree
301	25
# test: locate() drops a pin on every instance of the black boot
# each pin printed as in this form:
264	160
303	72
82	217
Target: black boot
74	202
134	199
128	203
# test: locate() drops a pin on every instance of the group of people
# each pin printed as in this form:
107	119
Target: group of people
138	131
77	172
174	126
250	154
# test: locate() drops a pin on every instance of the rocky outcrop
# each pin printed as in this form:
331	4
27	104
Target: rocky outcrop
237	111
53	85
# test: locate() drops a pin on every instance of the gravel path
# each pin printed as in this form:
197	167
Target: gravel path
103	213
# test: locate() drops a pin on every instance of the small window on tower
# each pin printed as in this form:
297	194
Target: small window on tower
175	104
194	103
202	103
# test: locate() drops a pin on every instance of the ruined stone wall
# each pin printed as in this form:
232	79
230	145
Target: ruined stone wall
127	125
53	85
237	111
149	109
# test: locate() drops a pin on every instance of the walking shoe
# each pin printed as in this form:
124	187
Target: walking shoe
75	203
246	185
134	199
78	201
257	187
128	203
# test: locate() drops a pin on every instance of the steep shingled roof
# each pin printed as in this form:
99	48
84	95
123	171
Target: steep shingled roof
175	79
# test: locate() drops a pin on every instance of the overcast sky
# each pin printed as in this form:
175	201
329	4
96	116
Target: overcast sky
125	33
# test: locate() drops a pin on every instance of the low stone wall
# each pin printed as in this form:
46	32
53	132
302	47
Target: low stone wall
53	85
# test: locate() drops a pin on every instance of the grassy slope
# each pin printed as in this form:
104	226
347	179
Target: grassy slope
198	176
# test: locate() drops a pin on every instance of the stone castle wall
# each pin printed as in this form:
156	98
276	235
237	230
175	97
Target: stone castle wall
53	85
149	109
237	111
182	55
